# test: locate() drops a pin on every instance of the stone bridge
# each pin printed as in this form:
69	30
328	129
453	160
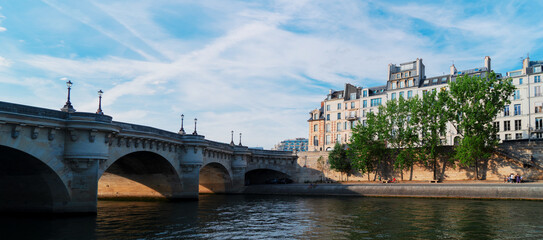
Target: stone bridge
54	161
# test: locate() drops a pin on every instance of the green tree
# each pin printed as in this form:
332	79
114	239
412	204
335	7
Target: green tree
338	160
433	118
474	102
367	147
403	127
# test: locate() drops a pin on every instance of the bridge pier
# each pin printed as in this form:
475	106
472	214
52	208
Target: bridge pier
83	186
191	159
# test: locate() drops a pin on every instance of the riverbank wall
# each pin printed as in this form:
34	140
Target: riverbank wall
533	191
517	156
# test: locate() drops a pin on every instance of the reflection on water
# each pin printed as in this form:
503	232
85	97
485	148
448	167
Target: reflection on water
257	217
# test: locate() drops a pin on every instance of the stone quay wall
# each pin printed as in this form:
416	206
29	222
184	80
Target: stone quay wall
532	191
522	157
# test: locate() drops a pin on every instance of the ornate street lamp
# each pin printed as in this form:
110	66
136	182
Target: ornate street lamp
99	111
195	133
68	106
182	130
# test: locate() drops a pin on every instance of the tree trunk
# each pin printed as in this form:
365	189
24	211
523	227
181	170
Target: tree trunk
435	168
476	169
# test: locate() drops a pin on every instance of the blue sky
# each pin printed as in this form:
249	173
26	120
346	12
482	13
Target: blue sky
256	67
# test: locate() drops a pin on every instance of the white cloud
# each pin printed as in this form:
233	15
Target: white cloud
4	62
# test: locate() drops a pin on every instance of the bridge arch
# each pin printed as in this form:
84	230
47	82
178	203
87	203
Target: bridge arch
140	174
215	178
27	183
267	176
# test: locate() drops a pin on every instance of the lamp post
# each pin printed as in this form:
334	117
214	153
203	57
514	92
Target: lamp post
99	111
240	139
232	141
68	106
182	130
195	133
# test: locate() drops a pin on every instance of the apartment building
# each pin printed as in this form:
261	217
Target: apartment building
297	144
523	118
338	114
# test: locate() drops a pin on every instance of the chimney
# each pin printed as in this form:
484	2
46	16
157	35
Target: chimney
453	69
526	63
487	63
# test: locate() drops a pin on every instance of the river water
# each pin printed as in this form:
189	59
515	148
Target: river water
286	217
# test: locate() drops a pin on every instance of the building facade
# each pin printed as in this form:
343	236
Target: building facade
333	121
523	118
298	144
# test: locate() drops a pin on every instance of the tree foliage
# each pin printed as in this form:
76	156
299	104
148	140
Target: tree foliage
338	160
433	117
367	147
474	103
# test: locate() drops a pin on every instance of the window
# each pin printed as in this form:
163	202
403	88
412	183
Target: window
345	125
328	127
327	107
401	94
496	126
327	117
537	91
338	138
394	85
365	93
506	125
392	96
426	82
409	94
338	116
507	136
518	135
538	123
365	103
434	81
338	126
315	140
517	109
352	105
327	139
538	107
518	125
537	79
516	95
506	111
353	96
520	81
315	128
537	69
375	102
339	106
402	84
409	84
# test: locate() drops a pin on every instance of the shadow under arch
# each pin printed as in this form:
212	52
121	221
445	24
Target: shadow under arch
140	175
266	176
29	185
214	178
